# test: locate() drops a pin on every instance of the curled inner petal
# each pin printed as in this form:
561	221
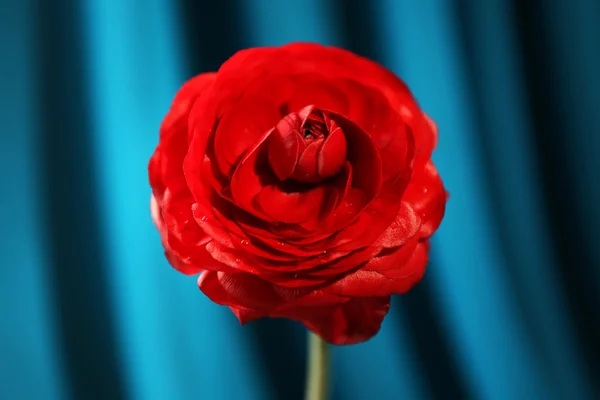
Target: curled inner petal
332	153
307	146
285	145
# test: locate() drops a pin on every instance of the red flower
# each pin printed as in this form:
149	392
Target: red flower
297	180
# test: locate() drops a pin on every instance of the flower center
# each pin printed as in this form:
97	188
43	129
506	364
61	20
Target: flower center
308	134
307	146
315	126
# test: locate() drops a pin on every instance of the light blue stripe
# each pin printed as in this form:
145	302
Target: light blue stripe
514	157
473	290
175	343
30	362
384	367
575	58
275	23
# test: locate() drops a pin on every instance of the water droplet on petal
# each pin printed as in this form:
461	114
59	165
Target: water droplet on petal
237	260
280	244
204	218
245	242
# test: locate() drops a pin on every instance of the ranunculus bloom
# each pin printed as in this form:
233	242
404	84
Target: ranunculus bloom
297	181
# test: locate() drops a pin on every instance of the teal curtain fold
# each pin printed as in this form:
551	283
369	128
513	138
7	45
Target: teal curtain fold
508	308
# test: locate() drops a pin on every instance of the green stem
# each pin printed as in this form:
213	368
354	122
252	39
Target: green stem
317	374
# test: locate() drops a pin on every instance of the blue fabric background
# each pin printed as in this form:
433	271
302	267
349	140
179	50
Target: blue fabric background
509	307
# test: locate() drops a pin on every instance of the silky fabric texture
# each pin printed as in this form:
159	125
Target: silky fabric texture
508	307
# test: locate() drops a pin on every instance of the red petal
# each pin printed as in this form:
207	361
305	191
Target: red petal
232	258
319	93
263	253
398	262
337	64
167	165
156	213
368	107
239	290
389	278
427	196
378	215
433	129
363	155
193	165
265	244
251	175
343	182
401	255
182	238
294	281
335	192
183	265
252	225
352	204
396	149
342	265
178	218
183	101
277	88
424	131
186	252
332	62
332	153
291	207
373	220
305	297
246	315
239	71
155	172
262	64
205	218
180	265
240	128
271	234
405	226
355	321
192	259
306	169
284	148
209	283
